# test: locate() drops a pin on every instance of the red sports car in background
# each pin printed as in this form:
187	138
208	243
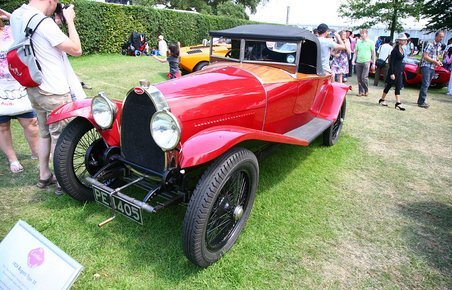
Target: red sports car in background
196	139
411	77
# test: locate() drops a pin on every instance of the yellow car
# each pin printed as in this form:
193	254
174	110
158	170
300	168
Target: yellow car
194	58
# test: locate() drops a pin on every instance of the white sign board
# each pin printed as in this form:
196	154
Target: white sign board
28	260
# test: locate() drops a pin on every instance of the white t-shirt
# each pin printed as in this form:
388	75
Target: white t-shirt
163	47
384	51
326	44
45	39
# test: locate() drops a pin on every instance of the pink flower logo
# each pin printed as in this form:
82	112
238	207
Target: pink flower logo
35	258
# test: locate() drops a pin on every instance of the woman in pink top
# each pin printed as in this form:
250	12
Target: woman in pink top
8	86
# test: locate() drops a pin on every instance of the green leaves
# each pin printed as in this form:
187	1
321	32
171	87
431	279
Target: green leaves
389	12
103	28
439	13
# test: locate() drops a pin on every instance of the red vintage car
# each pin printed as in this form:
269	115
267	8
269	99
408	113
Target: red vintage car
197	139
412	77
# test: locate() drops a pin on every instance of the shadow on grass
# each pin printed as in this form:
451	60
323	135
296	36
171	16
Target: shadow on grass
157	245
429	234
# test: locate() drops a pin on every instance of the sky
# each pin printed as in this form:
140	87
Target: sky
304	12
309	13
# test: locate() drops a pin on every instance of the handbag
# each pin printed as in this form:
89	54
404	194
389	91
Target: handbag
14	101
381	63
75	87
418	69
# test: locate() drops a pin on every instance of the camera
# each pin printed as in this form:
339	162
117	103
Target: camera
59	11
331	34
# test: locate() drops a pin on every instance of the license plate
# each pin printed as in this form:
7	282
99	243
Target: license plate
122	206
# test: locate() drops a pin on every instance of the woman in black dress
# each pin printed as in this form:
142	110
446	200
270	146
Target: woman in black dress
395	73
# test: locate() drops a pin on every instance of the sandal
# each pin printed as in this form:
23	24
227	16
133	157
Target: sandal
399	106
382	102
43	183
16	167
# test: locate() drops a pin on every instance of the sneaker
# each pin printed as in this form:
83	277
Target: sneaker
424	105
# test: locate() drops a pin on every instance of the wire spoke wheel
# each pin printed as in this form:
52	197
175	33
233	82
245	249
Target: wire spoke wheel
227	210
78	154
220	206
86	154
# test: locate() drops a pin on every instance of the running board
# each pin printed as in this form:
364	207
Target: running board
310	130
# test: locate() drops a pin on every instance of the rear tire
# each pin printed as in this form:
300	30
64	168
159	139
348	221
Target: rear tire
220	206
331	135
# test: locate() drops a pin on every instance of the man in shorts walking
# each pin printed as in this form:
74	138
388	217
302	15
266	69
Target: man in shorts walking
50	45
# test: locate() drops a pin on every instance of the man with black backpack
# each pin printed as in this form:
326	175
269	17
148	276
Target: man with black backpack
49	44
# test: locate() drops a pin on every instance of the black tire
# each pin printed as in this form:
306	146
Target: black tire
77	156
200	66
331	135
212	222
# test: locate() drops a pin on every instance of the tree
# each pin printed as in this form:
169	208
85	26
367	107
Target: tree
439	15
388	12
147	3
233	10
200	5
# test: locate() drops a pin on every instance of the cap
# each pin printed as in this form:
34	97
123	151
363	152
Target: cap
160	37
322	28
402	36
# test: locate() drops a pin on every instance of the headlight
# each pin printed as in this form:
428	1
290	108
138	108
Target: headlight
165	130
103	110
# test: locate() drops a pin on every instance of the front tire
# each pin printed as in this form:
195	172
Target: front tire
220	206
331	135
200	66
77	155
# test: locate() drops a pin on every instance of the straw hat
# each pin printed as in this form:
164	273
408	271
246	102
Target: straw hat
402	36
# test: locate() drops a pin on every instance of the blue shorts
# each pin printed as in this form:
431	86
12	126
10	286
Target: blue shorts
29	115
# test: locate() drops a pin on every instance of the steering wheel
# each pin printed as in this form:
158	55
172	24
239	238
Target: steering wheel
228	54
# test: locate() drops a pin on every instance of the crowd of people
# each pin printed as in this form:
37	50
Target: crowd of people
59	84
344	53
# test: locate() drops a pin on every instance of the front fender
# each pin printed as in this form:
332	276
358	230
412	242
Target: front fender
82	108
333	101
207	145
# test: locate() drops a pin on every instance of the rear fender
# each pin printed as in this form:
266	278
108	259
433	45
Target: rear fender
207	145
333	101
82	108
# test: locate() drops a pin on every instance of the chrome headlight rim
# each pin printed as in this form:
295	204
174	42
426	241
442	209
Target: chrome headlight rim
178	129
112	108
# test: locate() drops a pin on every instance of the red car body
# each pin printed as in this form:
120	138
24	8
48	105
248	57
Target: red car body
412	77
217	121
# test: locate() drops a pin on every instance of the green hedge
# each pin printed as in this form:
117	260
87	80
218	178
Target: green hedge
103	28
10	5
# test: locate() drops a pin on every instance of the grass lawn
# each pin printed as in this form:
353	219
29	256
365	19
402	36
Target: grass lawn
373	211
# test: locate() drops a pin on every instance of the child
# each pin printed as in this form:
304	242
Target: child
172	59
